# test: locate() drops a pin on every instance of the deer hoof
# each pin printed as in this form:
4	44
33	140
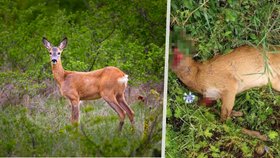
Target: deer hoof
236	113
120	126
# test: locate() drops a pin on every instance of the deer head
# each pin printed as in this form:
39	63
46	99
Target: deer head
181	61
55	52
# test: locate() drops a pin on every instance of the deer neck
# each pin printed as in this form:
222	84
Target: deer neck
187	71
58	72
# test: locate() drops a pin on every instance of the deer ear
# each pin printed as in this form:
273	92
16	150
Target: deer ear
46	43
63	43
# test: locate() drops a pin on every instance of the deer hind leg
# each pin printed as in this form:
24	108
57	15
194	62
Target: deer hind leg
112	101
75	105
227	105
129	111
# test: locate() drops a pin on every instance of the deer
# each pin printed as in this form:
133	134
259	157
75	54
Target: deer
108	83
225	76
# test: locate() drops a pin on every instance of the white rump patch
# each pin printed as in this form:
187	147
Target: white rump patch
213	93
123	79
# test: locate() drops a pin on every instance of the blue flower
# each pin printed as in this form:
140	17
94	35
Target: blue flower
189	98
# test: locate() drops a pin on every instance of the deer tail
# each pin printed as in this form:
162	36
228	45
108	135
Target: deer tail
123	80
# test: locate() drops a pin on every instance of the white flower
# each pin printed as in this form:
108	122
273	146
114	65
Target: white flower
189	98
266	149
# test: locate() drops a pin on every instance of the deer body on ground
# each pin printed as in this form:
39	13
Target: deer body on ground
226	75
108	83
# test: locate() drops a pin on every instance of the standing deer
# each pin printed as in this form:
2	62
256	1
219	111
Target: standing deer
108	83
224	76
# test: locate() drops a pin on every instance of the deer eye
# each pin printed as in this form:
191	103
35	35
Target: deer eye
50	53
58	53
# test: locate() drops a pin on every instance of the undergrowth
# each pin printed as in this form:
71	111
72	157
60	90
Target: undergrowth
196	131
45	130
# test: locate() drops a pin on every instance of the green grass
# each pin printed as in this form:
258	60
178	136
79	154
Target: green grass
44	129
196	131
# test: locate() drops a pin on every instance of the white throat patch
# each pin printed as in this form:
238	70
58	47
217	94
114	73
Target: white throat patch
213	93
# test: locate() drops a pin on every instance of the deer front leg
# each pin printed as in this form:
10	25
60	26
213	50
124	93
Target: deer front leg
228	99
75	117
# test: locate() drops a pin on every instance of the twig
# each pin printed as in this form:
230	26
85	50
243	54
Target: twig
92	142
84	133
194	11
152	129
99	46
269	28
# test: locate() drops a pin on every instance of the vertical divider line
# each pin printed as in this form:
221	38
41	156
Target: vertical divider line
165	79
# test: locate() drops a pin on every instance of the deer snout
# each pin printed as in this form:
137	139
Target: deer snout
177	57
54	61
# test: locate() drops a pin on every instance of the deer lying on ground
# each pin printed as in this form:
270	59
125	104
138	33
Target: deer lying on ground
108	83
224	76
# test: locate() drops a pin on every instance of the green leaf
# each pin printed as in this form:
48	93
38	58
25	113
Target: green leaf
207	133
178	113
245	148
227	33
273	134
230	15
214	149
202	155
168	112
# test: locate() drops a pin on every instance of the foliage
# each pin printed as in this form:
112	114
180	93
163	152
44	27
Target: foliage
215	27
218	26
118	33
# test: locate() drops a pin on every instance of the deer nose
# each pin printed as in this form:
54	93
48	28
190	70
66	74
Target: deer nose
54	61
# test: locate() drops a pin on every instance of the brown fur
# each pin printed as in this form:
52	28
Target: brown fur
227	75
103	83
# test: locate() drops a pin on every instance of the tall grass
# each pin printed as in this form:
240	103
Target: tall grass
45	130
